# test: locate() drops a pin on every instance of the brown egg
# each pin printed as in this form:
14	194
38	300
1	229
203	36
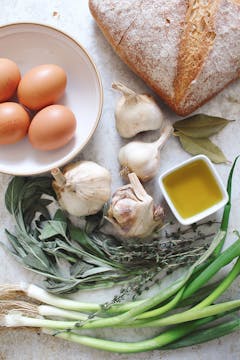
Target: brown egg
14	123
42	86
52	127
9	78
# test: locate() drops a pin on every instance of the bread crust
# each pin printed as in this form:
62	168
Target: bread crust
193	70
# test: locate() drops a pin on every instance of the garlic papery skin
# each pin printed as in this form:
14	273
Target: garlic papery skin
143	158
82	188
135	113
132	211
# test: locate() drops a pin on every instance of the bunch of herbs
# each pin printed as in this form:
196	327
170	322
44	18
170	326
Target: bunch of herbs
71	258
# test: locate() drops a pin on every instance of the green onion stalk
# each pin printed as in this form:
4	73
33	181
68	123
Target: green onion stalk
211	333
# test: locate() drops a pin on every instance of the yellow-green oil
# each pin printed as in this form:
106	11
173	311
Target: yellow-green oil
192	188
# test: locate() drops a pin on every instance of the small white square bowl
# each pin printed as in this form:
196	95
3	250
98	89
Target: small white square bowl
199	216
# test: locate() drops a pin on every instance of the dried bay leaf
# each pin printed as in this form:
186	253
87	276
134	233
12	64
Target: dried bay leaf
202	146
200	125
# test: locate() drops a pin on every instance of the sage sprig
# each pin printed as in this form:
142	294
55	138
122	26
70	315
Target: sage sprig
194	133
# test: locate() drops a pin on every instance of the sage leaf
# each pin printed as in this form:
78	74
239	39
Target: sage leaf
12	253
12	194
61	287
38	185
79	268
94	222
52	228
60	216
200	126
203	146
15	244
97	270
85	241
35	262
39	206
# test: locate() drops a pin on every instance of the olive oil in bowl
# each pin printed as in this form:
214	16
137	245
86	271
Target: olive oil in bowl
193	190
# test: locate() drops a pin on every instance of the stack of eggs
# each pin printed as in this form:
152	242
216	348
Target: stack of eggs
52	126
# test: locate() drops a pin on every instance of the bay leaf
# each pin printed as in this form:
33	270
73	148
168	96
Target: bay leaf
200	125
203	146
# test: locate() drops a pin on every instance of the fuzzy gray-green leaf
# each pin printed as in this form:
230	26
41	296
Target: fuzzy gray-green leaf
12	194
200	125
203	146
15	244
52	228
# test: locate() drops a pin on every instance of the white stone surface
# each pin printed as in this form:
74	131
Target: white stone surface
74	18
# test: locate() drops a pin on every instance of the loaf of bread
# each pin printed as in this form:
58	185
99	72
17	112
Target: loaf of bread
185	50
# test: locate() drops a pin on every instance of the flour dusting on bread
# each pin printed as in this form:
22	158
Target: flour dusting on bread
157	40
222	65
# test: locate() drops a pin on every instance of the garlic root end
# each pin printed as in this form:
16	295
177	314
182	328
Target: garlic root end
124	171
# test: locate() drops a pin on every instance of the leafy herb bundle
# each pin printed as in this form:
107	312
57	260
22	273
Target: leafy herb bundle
71	258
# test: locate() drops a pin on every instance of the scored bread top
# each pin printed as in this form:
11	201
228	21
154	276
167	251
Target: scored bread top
196	42
222	65
186	50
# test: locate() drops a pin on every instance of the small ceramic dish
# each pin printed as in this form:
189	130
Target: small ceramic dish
30	45
193	190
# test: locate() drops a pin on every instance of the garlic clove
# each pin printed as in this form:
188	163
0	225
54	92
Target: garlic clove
143	158
135	113
134	157
132	211
82	188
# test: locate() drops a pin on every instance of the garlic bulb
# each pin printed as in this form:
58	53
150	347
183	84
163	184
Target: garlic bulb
132	211
136	112
82	188
143	158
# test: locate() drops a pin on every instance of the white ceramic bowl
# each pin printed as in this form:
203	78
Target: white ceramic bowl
199	216
30	45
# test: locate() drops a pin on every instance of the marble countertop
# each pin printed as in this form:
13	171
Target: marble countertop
73	17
